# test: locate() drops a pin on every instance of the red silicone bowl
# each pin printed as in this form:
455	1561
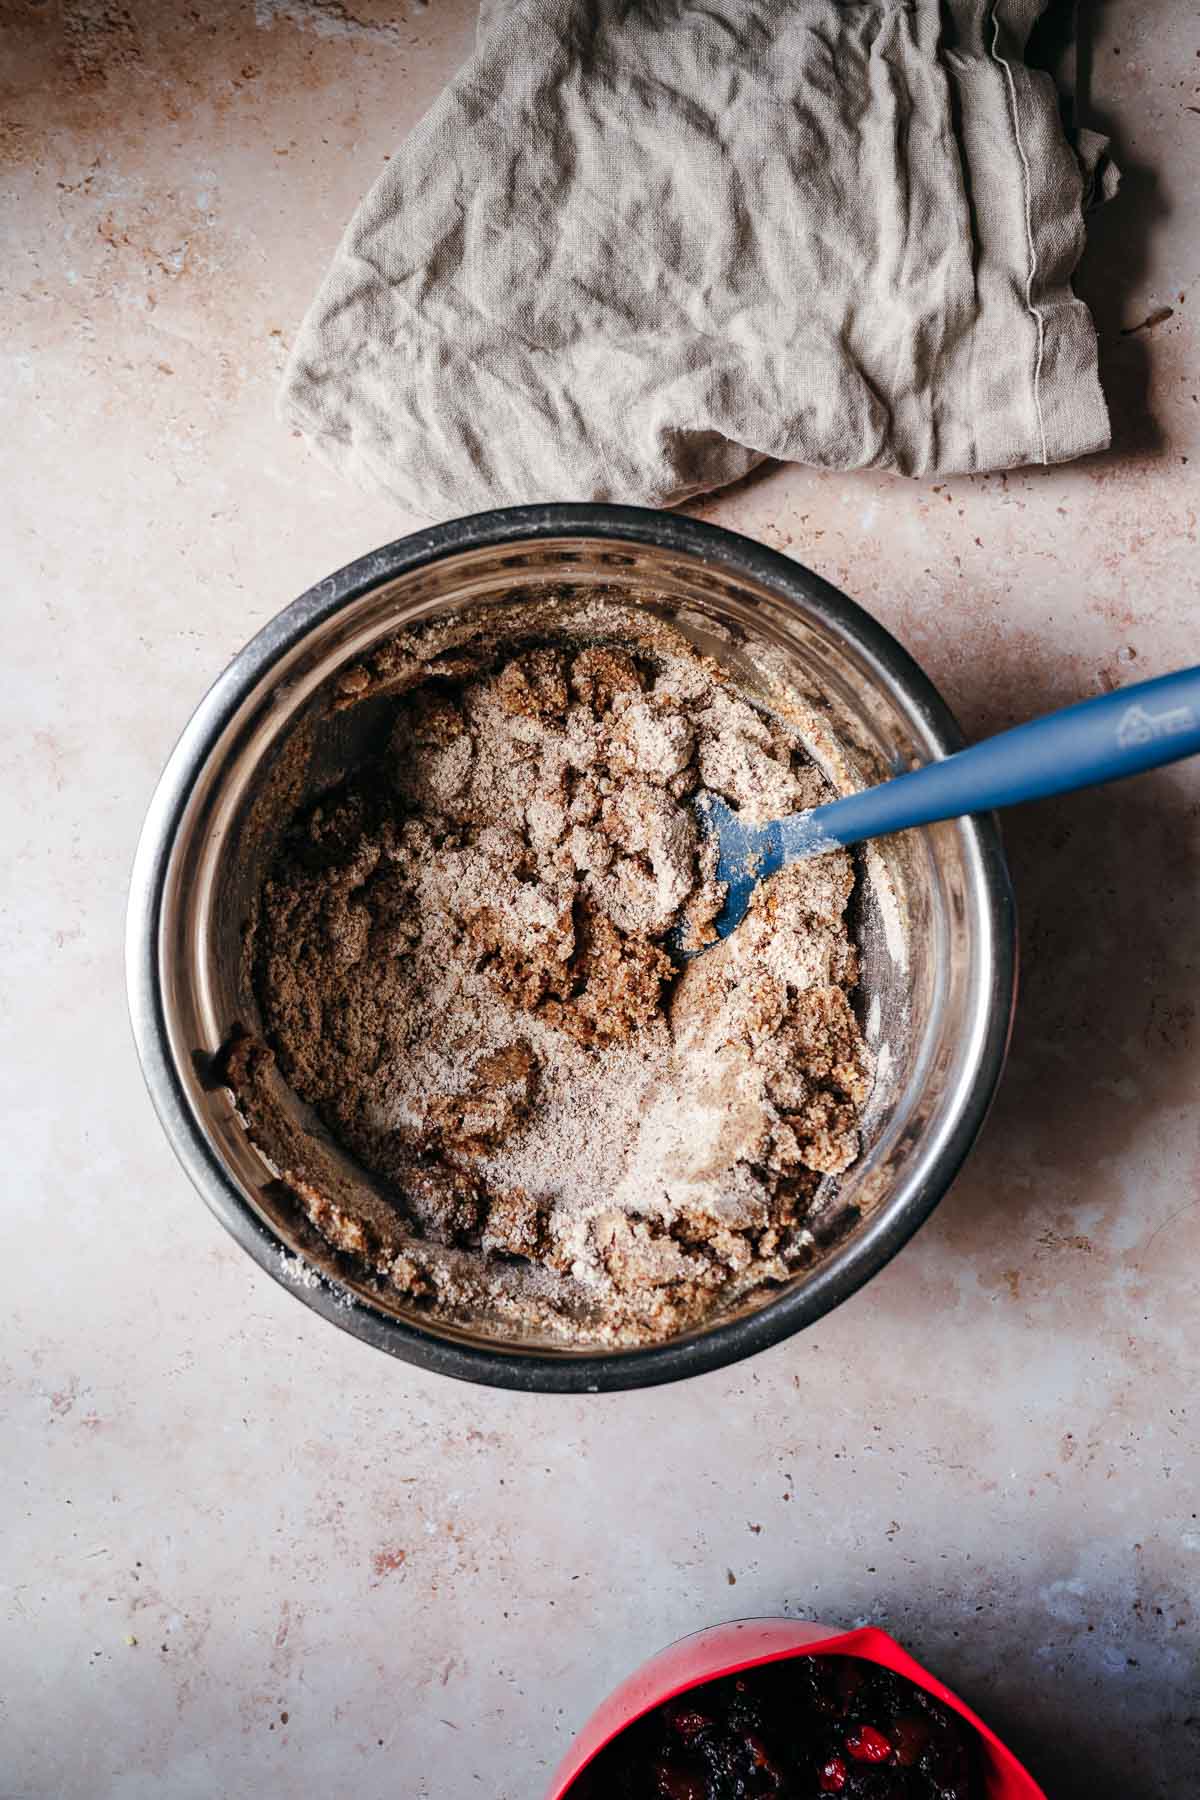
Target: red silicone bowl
745	1644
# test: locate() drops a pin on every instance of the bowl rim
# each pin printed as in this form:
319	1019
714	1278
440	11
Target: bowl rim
504	1366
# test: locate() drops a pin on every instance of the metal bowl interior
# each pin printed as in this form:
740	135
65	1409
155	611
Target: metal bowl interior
941	967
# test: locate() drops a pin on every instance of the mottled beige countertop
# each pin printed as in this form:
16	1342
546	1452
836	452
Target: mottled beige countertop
243	1554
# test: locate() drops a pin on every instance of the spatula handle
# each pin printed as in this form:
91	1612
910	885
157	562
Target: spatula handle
1096	741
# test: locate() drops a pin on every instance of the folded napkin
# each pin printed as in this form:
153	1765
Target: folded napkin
638	246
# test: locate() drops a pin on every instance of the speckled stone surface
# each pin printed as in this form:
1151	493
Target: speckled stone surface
243	1554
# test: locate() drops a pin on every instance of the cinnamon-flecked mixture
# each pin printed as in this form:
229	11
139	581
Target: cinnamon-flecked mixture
462	961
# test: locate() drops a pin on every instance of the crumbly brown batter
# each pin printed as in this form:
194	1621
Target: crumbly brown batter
461	960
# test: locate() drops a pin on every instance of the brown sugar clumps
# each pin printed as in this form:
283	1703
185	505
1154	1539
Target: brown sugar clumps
534	686
344	1230
496	1100
530	972
463	961
821	1037
602	672
446	1202
588	977
513	1225
616	981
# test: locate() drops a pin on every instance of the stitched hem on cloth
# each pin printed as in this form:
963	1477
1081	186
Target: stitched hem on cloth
1064	377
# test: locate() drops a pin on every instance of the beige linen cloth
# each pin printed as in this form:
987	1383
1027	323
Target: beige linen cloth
638	246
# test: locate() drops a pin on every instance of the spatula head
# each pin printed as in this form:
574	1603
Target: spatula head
746	855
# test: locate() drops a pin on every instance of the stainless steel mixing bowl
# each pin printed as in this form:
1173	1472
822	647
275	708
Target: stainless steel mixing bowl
211	828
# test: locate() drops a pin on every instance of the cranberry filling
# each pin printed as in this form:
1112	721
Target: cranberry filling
797	1730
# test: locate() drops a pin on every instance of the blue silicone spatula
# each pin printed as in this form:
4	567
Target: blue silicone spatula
1096	741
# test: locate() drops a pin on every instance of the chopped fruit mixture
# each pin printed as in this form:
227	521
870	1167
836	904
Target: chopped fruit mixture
794	1730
